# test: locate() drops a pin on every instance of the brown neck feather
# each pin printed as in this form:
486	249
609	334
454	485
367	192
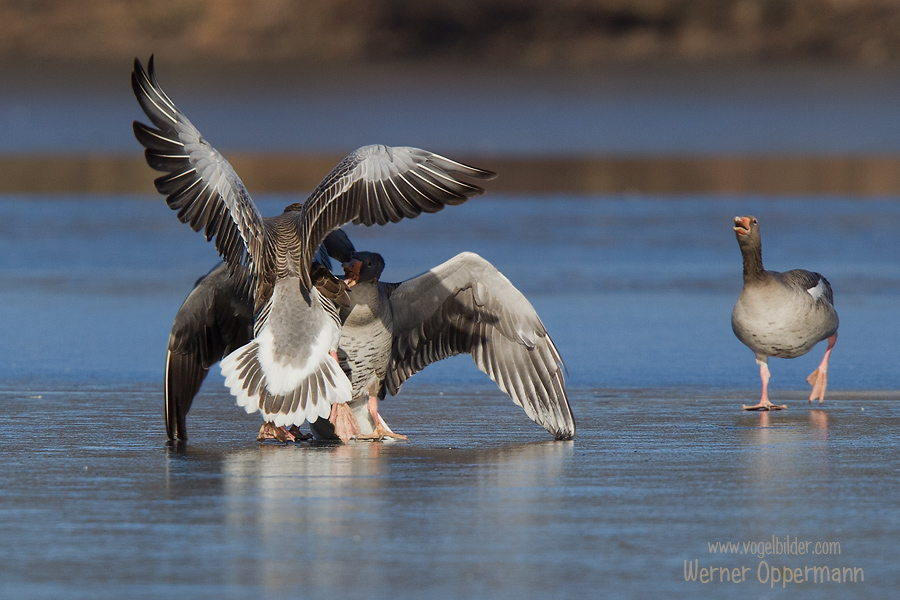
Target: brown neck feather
751	250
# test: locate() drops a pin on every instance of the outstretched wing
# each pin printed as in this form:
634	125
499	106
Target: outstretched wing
215	319
379	185
467	306
200	184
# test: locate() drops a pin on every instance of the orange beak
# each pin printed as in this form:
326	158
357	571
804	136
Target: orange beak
351	271
742	225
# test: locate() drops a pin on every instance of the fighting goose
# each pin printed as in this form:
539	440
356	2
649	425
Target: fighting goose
391	331
288	371
781	314
215	319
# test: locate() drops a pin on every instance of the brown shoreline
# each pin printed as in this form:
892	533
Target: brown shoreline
524	32
864	175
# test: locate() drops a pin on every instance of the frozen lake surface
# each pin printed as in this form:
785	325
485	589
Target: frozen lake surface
637	293
479	503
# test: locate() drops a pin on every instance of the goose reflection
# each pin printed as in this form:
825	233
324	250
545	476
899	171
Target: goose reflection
311	509
785	449
305	487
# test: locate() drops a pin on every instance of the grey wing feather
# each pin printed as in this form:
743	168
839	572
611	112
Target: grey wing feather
379	185
215	319
200	184
807	280
466	306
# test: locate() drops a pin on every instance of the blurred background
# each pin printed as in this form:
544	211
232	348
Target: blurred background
626	135
769	96
502	32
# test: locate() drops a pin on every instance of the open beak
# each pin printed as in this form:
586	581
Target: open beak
742	225
351	271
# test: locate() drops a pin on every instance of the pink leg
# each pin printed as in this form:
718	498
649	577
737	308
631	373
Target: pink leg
819	378
381	428
764	403
345	425
343	419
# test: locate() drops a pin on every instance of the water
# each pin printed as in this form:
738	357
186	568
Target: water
478	503
634	110
637	294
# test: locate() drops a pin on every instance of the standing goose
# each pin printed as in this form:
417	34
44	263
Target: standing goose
215	319
288	370
781	314
391	331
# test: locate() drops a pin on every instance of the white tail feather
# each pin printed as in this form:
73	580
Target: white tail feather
243	365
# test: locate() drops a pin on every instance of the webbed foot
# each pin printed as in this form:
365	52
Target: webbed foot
269	431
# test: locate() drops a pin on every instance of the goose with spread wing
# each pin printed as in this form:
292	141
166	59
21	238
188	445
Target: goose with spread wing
288	371
781	314
215	319
391	331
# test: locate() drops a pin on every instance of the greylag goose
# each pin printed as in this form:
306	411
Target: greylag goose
214	320
288	371
391	331
781	314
